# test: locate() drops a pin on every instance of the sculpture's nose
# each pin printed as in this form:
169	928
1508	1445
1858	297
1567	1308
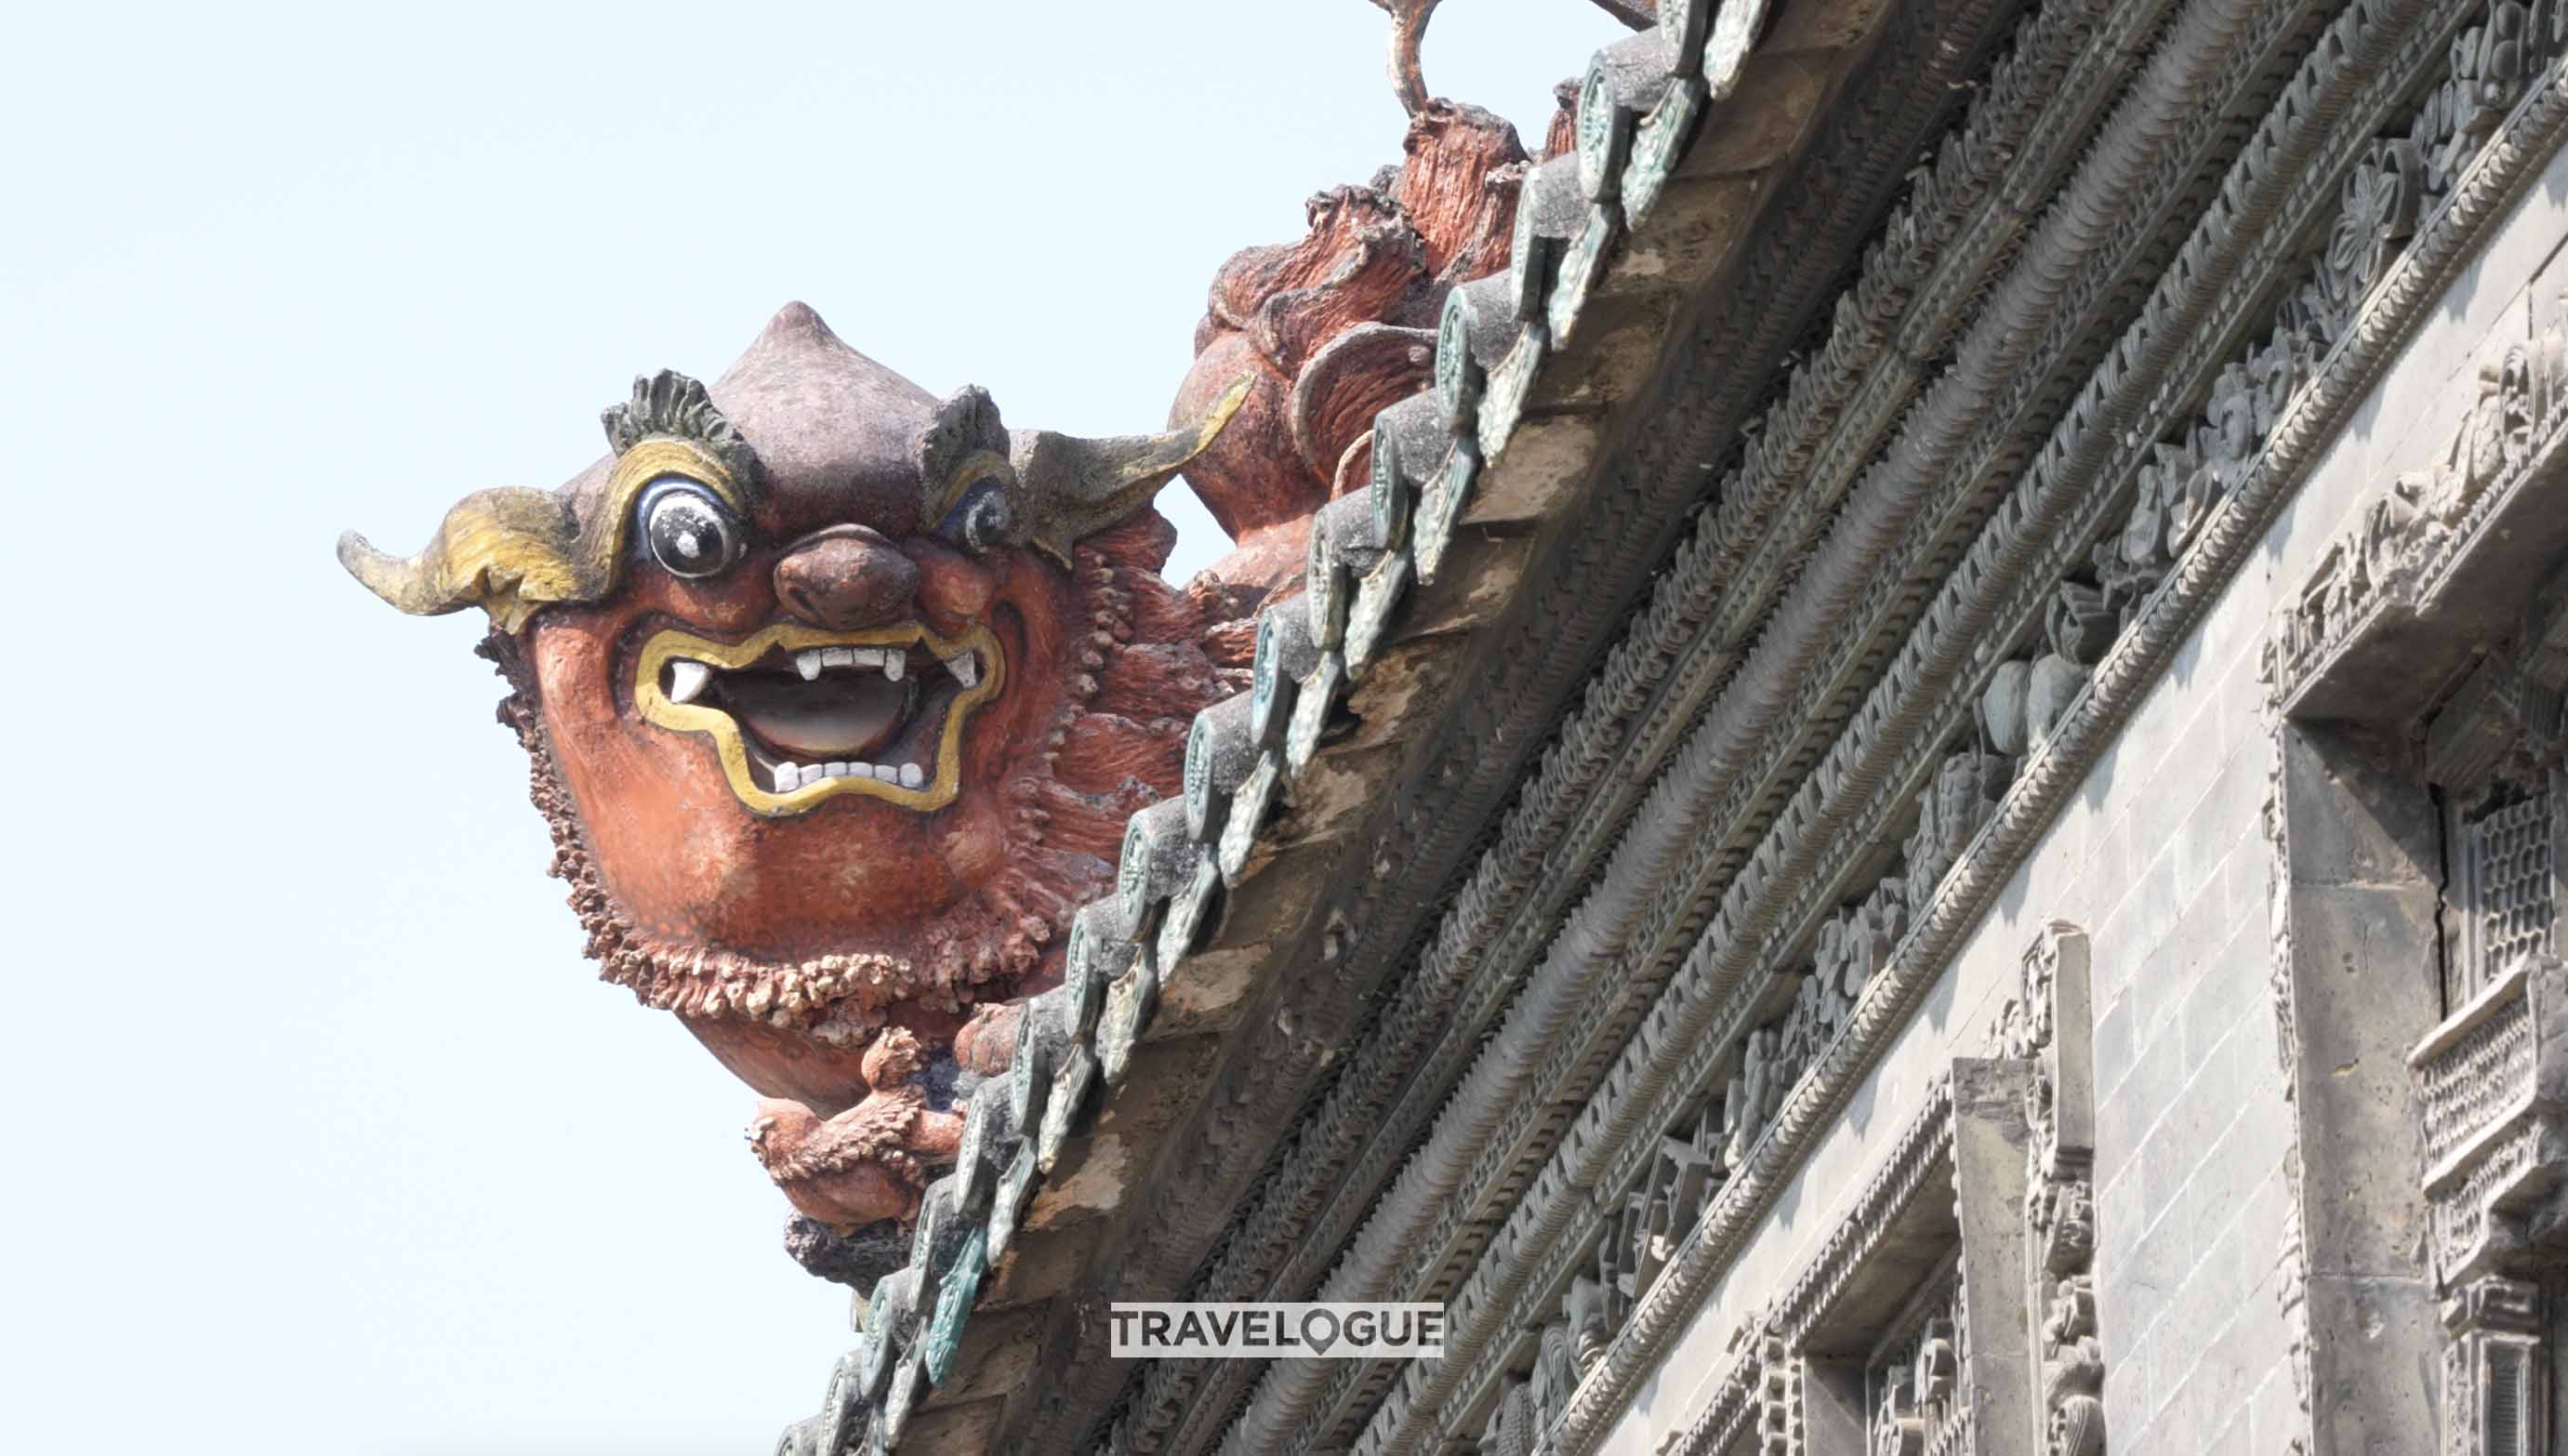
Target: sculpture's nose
845	578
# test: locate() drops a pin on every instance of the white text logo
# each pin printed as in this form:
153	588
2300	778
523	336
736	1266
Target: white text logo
1277	1332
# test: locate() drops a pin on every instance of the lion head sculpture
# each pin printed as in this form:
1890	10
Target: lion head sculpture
837	696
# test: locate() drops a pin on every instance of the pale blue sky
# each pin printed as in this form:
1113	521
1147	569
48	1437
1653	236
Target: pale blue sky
322	1136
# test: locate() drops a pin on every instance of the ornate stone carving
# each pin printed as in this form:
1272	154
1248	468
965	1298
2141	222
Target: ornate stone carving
1778	1397
2490	61
1953	808
1683	1181
2131	563
2073	1372
2225	448
2291	1262
1555	1373
2050	1025
1592	1320
1778	267
2495	1369
2493	1081
1899	1427
1923	1399
2504	884
2405	537
2377	214
1512	1430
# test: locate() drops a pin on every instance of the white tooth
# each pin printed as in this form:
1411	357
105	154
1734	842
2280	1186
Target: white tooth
965	666
789	777
835	769
864	657
807	664
687	678
913	776
896	661
836	657
886	773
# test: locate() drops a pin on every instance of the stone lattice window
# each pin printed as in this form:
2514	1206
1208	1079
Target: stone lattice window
2508	856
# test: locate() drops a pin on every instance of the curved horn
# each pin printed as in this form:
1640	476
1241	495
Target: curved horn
1077	487
513	550
508	551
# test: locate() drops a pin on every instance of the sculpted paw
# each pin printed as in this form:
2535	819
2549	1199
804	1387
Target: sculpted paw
869	1162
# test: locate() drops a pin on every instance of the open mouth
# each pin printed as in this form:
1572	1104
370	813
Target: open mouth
798	716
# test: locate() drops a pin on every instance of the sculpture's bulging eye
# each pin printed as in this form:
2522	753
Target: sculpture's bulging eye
984	518
691	535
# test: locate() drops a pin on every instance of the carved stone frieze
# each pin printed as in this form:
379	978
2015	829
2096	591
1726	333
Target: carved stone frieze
2409	537
1922	1406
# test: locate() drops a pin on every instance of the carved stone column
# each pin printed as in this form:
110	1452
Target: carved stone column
2052	1028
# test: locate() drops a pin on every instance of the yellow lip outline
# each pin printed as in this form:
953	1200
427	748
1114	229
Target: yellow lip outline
732	750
